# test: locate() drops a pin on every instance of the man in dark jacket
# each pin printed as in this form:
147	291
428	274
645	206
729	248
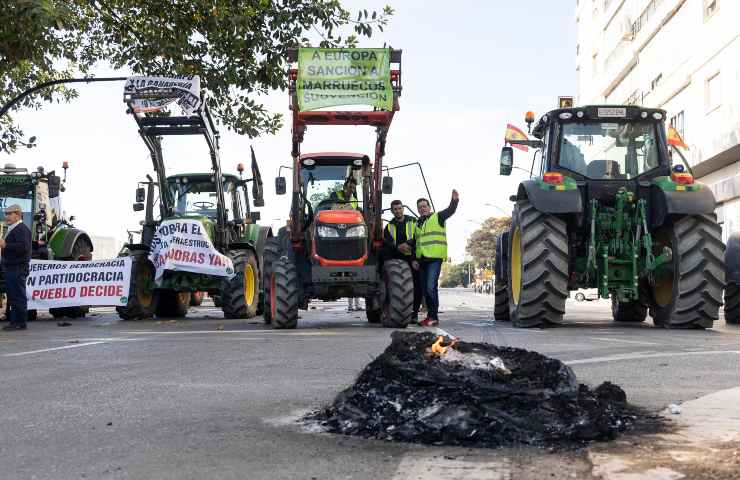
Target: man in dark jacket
15	249
396	237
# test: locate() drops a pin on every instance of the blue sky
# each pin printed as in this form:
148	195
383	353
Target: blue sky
469	68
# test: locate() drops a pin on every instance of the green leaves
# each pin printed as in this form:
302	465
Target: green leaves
236	46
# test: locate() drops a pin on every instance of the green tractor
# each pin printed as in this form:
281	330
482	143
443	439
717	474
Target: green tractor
219	201
54	237
605	209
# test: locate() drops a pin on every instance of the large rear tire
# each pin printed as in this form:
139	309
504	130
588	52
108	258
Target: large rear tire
501	303
142	302
538	267
688	292
732	303
172	304
240	294
270	254
284	294
634	311
398	305
81	251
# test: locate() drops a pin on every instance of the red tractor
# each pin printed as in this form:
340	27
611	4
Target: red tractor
331	247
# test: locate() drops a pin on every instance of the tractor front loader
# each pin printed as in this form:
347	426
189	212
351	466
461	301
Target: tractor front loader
53	236
605	209
331	247
219	201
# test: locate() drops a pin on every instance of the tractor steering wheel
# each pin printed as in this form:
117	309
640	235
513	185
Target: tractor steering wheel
204	205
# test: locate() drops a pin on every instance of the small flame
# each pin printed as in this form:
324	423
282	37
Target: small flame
438	349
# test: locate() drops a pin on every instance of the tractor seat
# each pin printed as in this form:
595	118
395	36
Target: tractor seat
603	169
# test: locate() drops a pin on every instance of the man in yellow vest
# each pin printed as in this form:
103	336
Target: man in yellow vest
430	244
396	237
347	195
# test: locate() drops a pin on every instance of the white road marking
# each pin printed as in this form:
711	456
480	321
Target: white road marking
437	463
31	352
223	332
619	340
641	355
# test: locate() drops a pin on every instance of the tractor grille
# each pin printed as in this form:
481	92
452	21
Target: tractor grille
340	248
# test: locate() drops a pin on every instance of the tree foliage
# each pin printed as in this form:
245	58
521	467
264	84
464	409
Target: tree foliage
482	243
236	46
456	274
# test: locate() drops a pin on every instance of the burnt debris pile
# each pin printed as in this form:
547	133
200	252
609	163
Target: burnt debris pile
432	390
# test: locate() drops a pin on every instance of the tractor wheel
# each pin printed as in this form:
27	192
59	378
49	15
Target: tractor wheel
172	304
732	303
284	294
142	302
240	295
398	305
81	251
688	291
270	254
216	298
196	299
501	303
633	311
538	267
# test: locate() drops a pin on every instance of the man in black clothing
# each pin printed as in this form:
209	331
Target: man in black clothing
16	255
396	236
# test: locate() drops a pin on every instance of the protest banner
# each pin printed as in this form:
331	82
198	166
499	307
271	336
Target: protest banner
329	77
59	283
183	89
183	245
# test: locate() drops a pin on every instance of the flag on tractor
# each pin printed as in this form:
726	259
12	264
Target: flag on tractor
675	139
513	133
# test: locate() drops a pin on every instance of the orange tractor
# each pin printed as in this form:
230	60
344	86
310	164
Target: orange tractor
332	245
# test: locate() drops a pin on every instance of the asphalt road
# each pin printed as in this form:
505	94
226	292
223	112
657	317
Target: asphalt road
211	398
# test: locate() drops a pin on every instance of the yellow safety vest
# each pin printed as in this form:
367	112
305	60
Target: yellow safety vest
431	239
410	231
353	201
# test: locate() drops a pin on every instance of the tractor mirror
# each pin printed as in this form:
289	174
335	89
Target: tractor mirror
387	185
507	161
280	185
140	195
138	206
254	216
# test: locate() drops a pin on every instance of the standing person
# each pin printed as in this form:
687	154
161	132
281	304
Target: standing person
397	238
431	250
16	255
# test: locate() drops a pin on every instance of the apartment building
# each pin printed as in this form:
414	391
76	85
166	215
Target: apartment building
679	55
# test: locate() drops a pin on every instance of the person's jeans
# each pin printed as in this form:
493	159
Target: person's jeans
15	289
416	275
430	269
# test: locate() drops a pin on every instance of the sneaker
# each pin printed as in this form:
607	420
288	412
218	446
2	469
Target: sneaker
350	309
429	322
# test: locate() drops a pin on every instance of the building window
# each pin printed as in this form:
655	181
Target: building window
677	123
713	92
710	8
655	82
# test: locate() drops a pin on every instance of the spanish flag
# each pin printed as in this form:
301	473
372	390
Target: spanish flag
513	133
675	139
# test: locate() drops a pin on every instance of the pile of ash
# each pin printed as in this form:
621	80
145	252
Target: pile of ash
473	394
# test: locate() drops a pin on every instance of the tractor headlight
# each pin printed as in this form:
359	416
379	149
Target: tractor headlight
358	231
327	232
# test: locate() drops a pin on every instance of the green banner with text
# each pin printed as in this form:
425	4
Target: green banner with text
330	77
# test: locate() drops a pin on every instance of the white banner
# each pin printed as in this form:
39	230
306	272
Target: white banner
185	90
183	245
58	283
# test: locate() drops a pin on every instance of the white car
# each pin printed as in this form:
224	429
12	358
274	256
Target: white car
586	295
